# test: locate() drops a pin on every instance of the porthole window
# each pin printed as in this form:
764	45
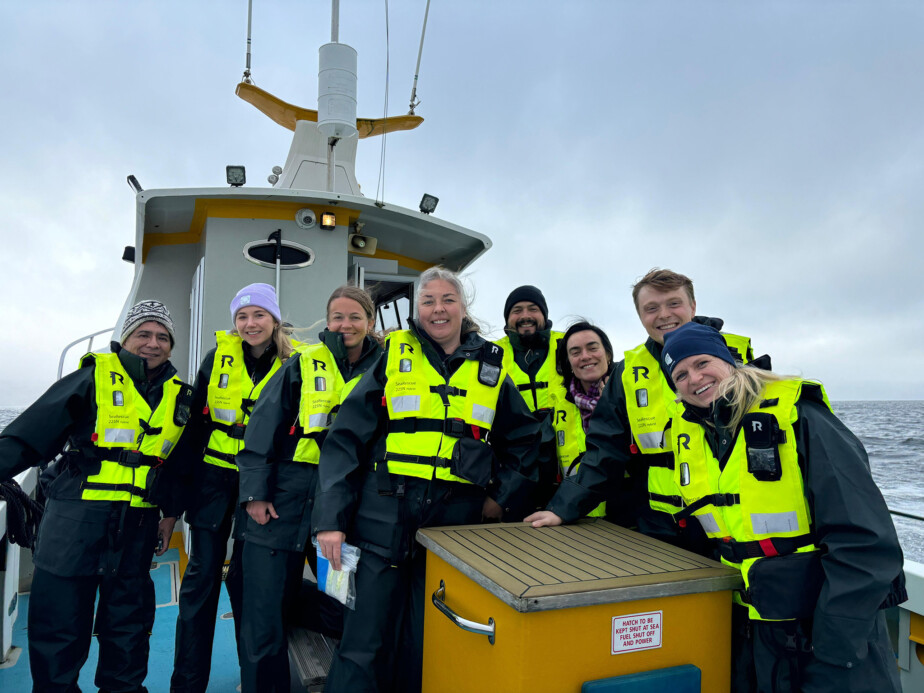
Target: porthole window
292	255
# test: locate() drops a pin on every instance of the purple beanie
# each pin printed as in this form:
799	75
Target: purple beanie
262	295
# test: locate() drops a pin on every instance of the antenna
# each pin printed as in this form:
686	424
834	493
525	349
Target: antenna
414	102
246	77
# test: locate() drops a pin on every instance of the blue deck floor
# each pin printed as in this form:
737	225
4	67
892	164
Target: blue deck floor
225	672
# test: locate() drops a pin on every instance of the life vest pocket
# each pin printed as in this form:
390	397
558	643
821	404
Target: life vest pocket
473	461
785	587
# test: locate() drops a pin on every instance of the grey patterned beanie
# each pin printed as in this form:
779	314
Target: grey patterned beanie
145	311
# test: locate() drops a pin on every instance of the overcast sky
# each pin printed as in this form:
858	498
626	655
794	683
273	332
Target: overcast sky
772	151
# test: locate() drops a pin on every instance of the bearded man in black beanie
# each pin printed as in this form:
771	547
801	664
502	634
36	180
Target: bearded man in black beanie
529	357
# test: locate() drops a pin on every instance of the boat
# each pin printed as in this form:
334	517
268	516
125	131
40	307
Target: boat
311	230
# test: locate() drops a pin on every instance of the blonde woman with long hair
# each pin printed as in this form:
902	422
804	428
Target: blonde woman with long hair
784	490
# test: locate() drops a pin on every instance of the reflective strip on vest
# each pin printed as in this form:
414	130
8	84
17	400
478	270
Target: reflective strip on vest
710	526
483	414
652	440
318	420
774	523
119	435
166	448
228	415
405	403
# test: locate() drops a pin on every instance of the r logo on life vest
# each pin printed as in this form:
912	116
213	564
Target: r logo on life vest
684	440
756	426
640	370
405	347
227	360
561	416
323	366
113	376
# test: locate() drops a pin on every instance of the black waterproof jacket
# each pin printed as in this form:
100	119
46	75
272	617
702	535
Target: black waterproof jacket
861	556
76	536
266	469
357	440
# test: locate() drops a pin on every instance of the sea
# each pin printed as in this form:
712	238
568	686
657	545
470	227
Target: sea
893	433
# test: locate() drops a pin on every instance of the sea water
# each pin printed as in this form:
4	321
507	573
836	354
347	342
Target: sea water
893	433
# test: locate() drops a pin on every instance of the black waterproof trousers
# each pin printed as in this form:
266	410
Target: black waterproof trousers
199	594
777	657
61	624
382	645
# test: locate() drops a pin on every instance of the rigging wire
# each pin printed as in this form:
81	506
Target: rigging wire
246	78
380	186
423	32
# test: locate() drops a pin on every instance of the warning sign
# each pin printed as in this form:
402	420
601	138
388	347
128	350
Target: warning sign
636	632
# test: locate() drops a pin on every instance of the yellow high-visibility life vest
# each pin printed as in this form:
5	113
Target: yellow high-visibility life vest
231	397
129	439
758	510
428	414
651	405
536	390
322	390
570	441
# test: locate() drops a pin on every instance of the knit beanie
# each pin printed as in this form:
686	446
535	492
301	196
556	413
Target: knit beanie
262	295
693	339
143	312
526	293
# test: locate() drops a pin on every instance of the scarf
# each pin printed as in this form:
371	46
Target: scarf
586	401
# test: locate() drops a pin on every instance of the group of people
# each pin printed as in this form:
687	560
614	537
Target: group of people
364	438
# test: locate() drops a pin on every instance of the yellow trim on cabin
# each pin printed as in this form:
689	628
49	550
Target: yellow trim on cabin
241	209
286	114
917	628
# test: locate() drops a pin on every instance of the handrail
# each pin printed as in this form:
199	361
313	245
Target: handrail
908	515
78	341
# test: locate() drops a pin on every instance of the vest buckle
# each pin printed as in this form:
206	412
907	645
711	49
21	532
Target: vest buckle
131	458
454	427
236	431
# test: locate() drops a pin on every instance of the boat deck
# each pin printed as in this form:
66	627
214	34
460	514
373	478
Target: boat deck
16	678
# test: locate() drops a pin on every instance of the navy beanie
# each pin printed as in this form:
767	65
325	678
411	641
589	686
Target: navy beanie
526	293
693	339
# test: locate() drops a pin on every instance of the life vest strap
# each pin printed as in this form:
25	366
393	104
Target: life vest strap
434	461
738	551
719	500
676	501
234	431
536	385
127	458
128	488
149	430
455	428
451	390
664	461
223	456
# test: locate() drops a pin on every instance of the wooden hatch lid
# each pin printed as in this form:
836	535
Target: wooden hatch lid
586	563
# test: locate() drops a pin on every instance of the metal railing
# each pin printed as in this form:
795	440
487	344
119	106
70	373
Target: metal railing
76	342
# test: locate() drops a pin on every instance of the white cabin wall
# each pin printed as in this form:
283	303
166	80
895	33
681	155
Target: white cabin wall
304	290
168	271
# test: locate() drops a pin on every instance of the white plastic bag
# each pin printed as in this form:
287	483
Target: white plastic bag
339	584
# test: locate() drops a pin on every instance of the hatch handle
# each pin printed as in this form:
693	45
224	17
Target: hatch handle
439	601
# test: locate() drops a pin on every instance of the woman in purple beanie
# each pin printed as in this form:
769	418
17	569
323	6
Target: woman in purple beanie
230	379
